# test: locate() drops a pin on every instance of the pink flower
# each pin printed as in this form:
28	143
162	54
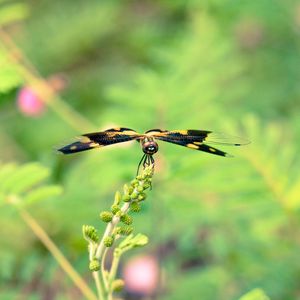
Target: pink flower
141	275
29	104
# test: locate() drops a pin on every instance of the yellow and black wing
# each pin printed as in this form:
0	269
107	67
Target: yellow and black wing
100	139
197	139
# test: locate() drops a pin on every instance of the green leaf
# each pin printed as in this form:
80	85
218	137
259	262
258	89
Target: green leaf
13	12
42	193
23	183
133	241
23	178
9	75
256	294
5	171
139	240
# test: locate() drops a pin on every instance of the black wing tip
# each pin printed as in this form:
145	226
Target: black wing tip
77	147
58	151
64	150
244	143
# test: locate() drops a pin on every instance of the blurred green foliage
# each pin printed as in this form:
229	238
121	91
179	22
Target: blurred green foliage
227	226
256	294
17	183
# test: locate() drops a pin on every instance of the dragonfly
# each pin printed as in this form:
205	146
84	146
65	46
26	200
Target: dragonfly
194	139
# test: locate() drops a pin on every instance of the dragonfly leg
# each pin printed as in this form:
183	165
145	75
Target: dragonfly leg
146	160
139	165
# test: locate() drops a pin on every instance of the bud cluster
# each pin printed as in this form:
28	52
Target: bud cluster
106	216
94	265
135	192
118	285
119	222
108	241
133	195
90	233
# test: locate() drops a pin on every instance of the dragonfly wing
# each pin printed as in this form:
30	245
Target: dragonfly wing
100	139
225	139
197	139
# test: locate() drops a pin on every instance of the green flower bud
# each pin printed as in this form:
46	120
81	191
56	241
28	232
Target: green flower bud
140	188
125	189
108	241
118	285
117	230
139	177
134	182
126	198
106	216
119	214
148	179
130	190
146	185
135	207
94	265
126	219
90	233
126	230
134	195
115	208
118	198
142	196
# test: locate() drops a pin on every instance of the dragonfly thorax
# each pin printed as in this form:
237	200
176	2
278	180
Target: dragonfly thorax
149	146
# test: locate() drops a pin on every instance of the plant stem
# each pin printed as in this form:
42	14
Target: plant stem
114	268
41	87
103	268
99	287
99	277
105	279
57	254
109	229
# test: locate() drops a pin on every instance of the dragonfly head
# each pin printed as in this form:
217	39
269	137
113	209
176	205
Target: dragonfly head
149	146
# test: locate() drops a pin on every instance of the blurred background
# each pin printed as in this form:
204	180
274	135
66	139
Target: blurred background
218	228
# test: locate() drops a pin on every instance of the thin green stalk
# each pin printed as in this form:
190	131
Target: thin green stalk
100	276
103	269
57	254
41	87
99	287
114	268
109	229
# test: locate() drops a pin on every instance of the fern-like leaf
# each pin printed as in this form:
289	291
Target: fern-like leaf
22	184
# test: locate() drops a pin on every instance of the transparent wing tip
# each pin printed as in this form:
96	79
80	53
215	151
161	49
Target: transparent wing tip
226	139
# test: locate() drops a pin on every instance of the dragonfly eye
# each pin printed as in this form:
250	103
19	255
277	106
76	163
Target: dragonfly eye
150	147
